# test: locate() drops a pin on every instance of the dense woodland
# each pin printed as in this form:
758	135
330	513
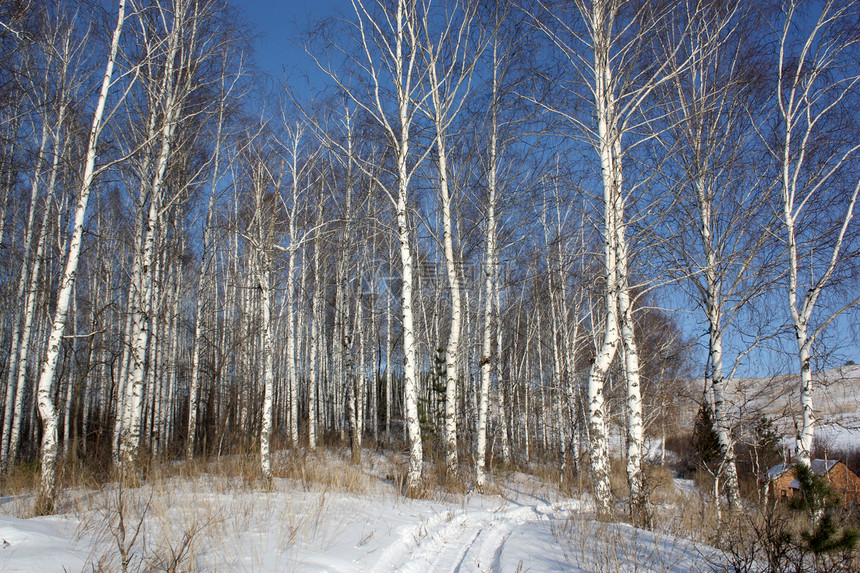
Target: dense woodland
506	231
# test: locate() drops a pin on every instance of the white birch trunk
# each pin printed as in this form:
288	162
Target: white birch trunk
316	317
503	411
128	335
292	374
12	436
410	370
133	413
263	274
486	347
410	382
486	363
202	291
154	379
58	324
133	410
169	421
388	370
452	351
635	430
610	173
394	35
715	351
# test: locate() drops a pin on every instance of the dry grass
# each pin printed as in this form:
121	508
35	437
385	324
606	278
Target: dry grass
323	470
21	479
439	479
659	484
618	478
592	545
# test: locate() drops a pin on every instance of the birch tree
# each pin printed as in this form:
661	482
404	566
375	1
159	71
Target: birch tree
264	181
489	271
47	409
65	50
815	151
169	88
228	85
178	39
299	166
606	52
450	59
387	41
52	118
502	127
709	105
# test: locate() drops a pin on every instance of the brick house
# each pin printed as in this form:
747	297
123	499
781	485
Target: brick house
784	484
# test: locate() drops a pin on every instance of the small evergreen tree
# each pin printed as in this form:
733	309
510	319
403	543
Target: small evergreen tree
705	438
820	502
766	438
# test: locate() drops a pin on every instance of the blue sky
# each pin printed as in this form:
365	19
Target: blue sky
281	25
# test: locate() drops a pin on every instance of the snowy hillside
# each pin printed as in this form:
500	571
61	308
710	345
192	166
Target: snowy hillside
836	399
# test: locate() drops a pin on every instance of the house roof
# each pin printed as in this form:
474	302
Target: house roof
819	467
776	471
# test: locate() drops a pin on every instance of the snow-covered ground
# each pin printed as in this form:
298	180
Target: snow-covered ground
221	524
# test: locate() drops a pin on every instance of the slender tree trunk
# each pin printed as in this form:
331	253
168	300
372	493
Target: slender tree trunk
635	431
316	318
388	369
130	442
47	409
410	365
202	295
128	335
263	274
292	374
452	351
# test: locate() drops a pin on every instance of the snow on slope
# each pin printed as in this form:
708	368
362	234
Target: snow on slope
44	544
836	398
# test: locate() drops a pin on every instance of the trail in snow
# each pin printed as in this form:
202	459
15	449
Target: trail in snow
469	539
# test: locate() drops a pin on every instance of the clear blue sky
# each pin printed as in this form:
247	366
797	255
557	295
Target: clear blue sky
281	26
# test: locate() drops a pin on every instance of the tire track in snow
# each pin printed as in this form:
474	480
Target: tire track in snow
412	541
488	553
463	541
492	538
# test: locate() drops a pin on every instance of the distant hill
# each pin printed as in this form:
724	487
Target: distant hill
836	399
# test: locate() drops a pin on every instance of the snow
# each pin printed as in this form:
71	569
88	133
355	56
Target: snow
42	544
821	467
234	526
839	436
775	471
837	406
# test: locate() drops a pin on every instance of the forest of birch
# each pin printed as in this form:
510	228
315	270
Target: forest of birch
494	233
